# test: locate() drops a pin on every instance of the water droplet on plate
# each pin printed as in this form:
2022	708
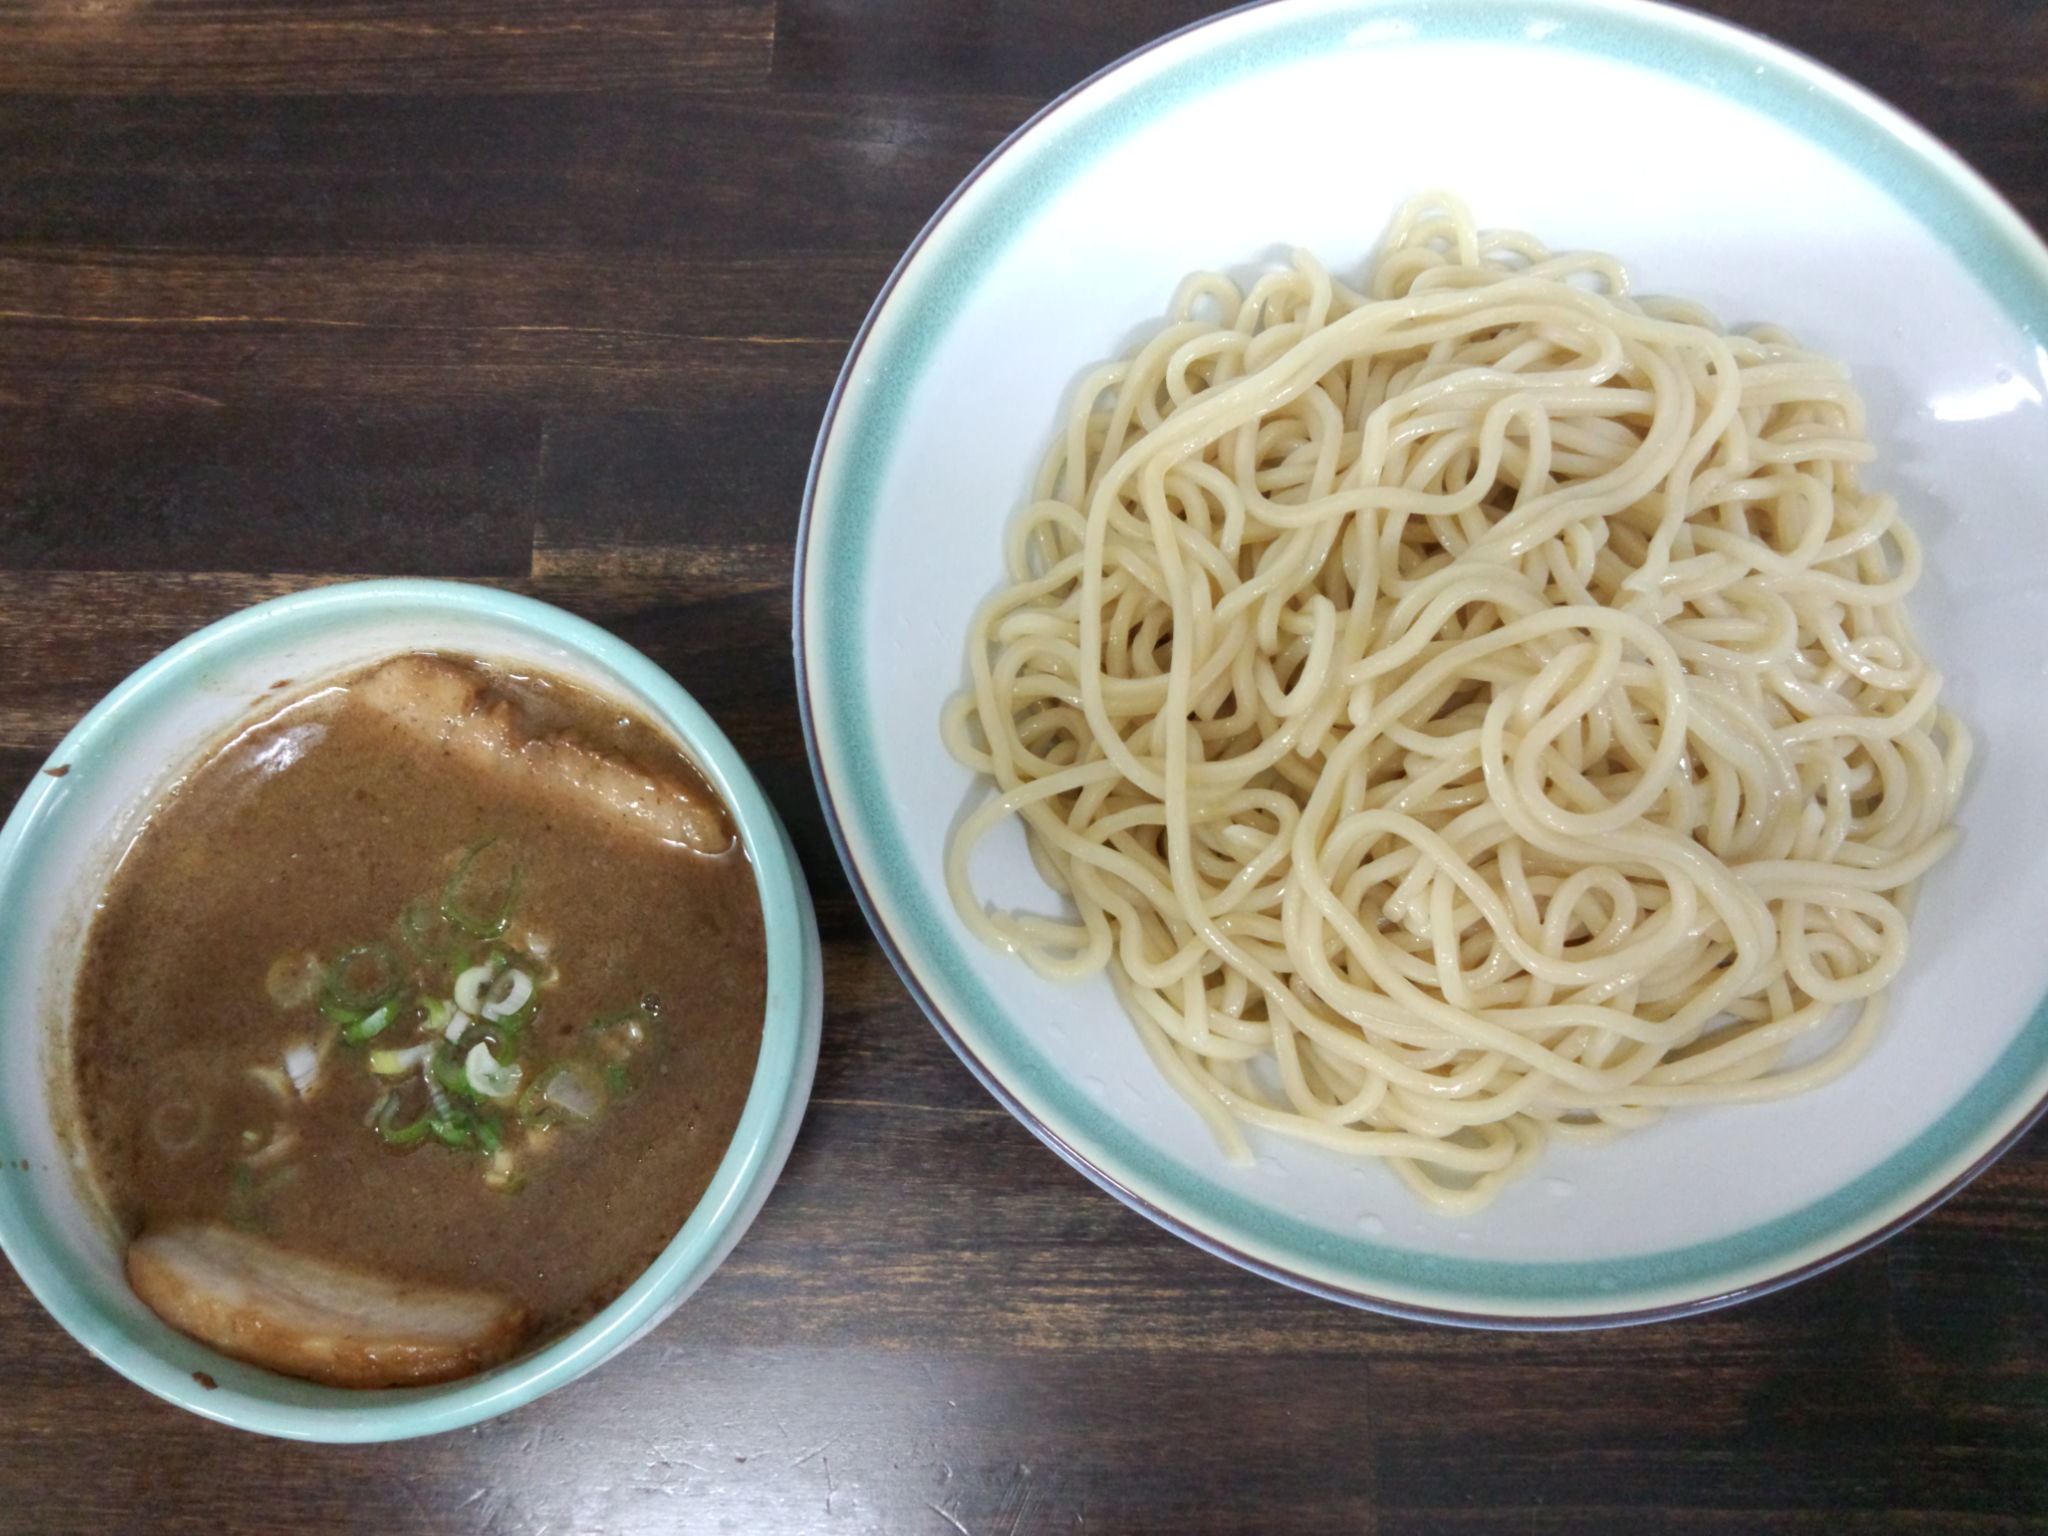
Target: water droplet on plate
1559	1187
1371	1225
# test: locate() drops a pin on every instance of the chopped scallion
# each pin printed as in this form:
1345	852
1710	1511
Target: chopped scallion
574	1090
359	981
481	894
302	1066
375	1022
622	1035
503	1174
435	1012
487	1075
405	1136
429	933
507	995
395	1063
469	988
294	979
446	1072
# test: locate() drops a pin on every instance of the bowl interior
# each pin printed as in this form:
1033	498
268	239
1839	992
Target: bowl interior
60	847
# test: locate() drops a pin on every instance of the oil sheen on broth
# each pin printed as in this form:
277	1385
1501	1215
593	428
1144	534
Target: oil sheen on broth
434	996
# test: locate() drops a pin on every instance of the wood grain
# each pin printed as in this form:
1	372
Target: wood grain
552	297
118	47
671	173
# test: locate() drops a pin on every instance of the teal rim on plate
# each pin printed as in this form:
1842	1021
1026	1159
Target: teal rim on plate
169	1365
937	279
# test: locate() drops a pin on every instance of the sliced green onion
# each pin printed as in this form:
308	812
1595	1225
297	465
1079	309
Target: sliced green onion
451	1132
435	1012
375	1022
302	1066
508	994
481	894
429	932
567	1092
447	1072
394	1063
618	1080
335	1013
405	1136
488	1076
359	981
487	1135
503	1174
508	1030
469	988
575	1090
621	1034
293	980
530	1111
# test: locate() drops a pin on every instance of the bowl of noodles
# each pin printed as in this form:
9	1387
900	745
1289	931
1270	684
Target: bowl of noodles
1437	699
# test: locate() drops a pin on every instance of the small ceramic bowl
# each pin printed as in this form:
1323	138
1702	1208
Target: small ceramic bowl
59	847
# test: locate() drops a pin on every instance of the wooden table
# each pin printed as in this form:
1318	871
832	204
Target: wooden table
552	295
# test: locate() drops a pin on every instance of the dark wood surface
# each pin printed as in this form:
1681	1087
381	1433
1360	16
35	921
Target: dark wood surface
551	293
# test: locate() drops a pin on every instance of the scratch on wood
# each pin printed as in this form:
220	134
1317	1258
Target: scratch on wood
1017	1499
739	567
159	394
928	1109
323	323
538	509
64	319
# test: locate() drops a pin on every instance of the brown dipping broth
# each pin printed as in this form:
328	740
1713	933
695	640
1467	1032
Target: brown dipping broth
309	834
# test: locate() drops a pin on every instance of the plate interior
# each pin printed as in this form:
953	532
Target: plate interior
1718	168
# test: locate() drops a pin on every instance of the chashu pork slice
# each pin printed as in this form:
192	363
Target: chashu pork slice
447	709
302	1316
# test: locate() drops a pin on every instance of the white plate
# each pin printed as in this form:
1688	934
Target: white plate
1719	167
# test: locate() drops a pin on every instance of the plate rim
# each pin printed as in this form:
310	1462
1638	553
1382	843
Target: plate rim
2014	276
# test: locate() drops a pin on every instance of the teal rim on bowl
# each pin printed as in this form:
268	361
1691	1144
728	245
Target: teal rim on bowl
47	1228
